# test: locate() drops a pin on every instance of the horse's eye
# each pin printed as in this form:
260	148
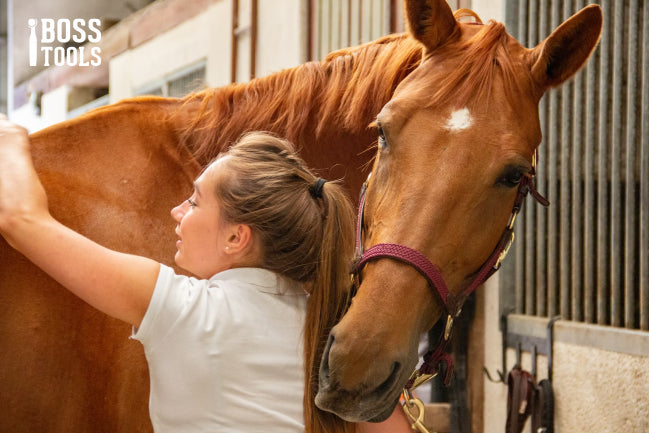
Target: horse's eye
511	177
382	141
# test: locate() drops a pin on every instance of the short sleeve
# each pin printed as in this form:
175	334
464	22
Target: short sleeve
170	298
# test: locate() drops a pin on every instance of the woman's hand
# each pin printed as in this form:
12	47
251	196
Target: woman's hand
21	192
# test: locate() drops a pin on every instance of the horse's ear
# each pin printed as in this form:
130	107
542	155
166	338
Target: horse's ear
431	22
566	50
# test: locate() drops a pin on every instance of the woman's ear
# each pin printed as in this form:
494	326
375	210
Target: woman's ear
238	239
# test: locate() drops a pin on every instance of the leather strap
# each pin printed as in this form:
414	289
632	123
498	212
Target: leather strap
543	409
520	398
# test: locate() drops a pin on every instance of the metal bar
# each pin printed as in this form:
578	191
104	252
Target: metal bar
630	212
644	180
519	273
253	38
349	23
360	21
530	212
320	52
234	47
617	308
521	250
590	215
334	25
541	218
522	22
553	193
511	18
393	15
370	21
329	27
577	198
526	287
602	168
564	191
311	28
341	44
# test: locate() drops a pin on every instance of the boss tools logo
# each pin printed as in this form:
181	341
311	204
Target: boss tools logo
45	41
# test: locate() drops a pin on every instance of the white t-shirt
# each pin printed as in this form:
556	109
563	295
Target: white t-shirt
225	354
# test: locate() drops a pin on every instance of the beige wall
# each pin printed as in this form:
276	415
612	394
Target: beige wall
600	391
489	9
204	37
207	37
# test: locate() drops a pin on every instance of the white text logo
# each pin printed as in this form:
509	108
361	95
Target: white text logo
44	41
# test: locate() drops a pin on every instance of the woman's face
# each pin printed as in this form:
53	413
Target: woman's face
202	235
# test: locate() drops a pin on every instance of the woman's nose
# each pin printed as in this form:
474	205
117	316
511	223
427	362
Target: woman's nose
178	212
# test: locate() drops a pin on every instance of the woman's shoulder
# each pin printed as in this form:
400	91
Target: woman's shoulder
257	279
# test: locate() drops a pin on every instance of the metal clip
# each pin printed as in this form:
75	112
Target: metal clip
417	419
419	379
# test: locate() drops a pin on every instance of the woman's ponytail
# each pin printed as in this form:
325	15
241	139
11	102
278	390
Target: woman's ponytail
328	300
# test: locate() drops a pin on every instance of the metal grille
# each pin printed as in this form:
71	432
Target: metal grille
336	24
586	258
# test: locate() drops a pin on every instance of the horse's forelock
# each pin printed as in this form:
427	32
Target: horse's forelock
479	59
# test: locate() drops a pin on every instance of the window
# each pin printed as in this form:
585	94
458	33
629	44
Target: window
177	84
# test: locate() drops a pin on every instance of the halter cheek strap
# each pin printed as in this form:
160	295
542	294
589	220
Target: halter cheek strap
452	303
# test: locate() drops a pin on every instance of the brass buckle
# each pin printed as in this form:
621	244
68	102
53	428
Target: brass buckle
449	327
512	219
502	255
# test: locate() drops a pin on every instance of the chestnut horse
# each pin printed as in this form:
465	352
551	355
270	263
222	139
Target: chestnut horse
114	174
456	147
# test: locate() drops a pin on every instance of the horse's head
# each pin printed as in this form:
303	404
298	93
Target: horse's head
455	142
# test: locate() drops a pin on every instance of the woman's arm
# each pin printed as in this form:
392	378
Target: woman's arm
118	284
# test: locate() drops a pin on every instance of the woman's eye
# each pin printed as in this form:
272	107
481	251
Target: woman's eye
191	202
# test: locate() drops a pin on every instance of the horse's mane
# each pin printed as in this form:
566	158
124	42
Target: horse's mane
347	89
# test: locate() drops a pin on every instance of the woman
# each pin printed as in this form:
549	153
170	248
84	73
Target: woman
268	243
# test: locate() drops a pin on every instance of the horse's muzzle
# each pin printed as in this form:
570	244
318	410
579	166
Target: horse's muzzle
355	392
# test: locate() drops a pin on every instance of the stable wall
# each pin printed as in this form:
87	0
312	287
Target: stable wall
600	374
208	38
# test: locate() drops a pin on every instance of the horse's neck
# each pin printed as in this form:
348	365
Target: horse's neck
317	105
